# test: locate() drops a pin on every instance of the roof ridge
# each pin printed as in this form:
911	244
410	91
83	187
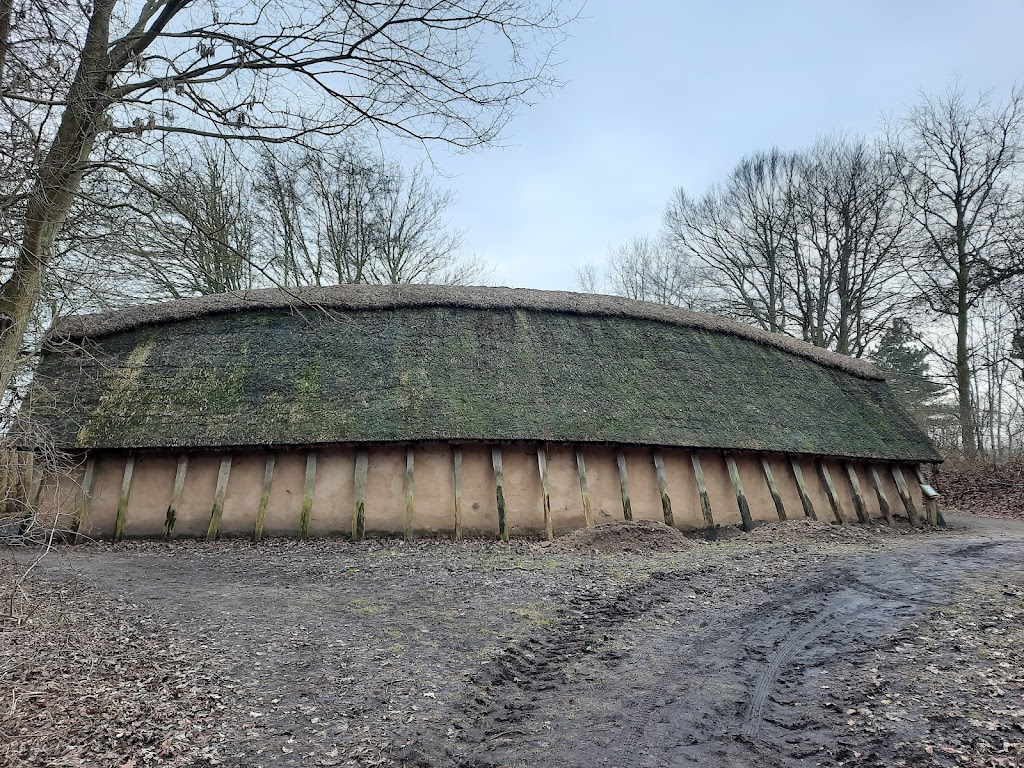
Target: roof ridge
375	297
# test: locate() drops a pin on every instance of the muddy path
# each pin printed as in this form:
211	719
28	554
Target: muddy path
736	654
741	684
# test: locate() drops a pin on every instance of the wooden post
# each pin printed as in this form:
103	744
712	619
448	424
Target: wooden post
457	463
705	500
33	495
801	486
6	481
499	492
931	506
410	459
176	491
122	502
741	497
218	497
883	501
833	496
261	510
627	508
308	487
858	499
581	470
359	505
773	488
37	493
905	497
84	502
542	466
666	501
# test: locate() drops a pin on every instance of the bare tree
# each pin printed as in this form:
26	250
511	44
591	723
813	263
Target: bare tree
745	233
960	159
334	223
846	278
193	229
997	393
111	82
590	279
648	269
209	221
340	216
414	243
808	244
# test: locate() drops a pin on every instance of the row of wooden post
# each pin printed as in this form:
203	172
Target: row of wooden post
362	464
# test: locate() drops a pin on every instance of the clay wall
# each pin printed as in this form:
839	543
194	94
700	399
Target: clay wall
412	490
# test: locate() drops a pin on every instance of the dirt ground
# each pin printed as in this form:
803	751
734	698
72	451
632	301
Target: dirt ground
799	644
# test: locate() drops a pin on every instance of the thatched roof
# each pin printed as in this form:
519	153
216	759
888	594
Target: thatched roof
372	363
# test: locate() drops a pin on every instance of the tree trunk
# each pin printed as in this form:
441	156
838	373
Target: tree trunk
968	436
60	175
6	7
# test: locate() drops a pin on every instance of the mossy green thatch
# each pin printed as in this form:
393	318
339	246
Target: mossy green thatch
451	370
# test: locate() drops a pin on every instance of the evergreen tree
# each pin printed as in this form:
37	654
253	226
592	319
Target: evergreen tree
904	361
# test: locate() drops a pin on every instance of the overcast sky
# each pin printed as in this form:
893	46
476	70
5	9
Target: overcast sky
663	94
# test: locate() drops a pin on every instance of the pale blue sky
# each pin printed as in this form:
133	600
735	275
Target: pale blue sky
662	94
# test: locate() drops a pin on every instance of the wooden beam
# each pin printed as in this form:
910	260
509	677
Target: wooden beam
39	479
410	460
931	506
666	501
122	502
308	488
84	507
705	500
627	507
499	492
33	495
24	491
176	491
741	497
7	479
883	501
905	497
213	531
833	496
542	466
581	470
801	486
858	498
457	464
261	510
773	488
359	504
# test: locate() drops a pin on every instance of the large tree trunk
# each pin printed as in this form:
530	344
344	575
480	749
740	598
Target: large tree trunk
6	7
968	435
57	183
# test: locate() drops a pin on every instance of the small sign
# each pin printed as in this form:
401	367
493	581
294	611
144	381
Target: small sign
930	492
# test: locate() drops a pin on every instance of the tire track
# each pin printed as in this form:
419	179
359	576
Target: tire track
505	695
733	681
837	607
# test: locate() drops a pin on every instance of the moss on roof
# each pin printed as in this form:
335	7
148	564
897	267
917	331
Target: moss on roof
276	377
355	297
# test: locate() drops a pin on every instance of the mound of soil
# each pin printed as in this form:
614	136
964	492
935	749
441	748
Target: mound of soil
623	538
980	488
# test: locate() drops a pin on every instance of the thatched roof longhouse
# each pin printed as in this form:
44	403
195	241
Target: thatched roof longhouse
361	364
